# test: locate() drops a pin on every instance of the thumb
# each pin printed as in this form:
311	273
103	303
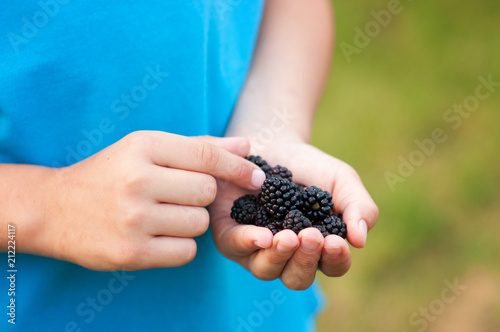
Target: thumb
237	145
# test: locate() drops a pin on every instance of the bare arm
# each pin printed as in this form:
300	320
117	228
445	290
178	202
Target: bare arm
290	67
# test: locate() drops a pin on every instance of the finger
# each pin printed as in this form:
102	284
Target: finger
237	145
300	271
181	187
166	251
335	258
192	154
349	194
357	207
241	240
177	220
268	264
233	240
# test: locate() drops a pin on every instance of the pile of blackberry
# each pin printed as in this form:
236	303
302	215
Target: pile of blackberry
284	204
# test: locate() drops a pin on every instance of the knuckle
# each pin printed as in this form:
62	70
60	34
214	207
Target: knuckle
135	182
136	138
202	221
239	243
209	156
241	171
133	217
140	140
306	263
209	191
276	260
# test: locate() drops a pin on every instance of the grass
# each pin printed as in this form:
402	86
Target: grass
442	222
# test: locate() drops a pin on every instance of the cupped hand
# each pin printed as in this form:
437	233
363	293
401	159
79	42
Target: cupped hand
296	258
138	203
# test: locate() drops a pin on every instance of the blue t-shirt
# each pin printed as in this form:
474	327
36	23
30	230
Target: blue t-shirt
77	76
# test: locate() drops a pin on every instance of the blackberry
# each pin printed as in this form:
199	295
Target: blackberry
322	230
296	221
275	226
262	218
244	209
333	224
300	187
316	203
278	196
279	171
257	160
266	169
283	204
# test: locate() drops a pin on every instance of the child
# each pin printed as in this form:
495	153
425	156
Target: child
104	192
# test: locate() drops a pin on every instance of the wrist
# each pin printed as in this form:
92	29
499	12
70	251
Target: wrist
39	212
266	115
24	194
276	127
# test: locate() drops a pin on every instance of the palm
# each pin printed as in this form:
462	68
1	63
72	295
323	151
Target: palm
288	255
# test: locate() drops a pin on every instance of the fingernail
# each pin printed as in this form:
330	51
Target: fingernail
309	246
333	251
283	248
258	178
363	229
257	244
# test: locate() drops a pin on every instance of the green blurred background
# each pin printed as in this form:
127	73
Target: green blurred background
439	224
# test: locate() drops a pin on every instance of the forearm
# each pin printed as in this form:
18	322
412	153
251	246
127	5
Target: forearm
289	69
24	189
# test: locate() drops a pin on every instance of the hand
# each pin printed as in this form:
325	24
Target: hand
138	203
296	258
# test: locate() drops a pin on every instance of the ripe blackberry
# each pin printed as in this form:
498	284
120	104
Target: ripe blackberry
257	160
244	209
300	187
278	196
279	171
296	221
316	203
262	218
283	204
322	230
266	169
333	224
275	226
